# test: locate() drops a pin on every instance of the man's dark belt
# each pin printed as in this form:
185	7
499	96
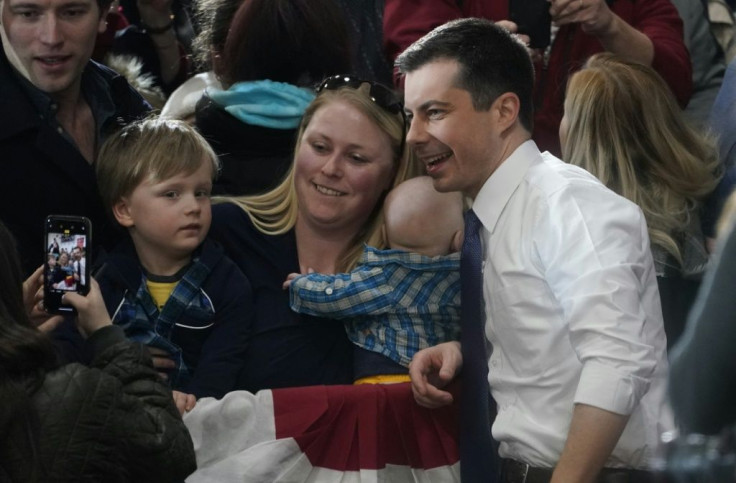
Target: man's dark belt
515	472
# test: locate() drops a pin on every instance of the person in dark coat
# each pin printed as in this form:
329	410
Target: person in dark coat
58	107
703	368
275	53
113	421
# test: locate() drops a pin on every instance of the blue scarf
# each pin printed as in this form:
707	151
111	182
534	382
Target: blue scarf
265	103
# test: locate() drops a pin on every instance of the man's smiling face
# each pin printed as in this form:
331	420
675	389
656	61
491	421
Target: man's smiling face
458	145
53	39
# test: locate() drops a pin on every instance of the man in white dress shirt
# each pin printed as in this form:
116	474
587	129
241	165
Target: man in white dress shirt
578	362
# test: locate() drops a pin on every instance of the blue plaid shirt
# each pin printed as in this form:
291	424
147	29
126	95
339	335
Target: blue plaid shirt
397	302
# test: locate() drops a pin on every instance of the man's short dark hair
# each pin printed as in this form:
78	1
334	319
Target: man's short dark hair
492	61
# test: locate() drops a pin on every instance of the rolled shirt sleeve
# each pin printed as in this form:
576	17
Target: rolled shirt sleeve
597	263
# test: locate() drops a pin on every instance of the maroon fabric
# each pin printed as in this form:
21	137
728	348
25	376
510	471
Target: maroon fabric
348	428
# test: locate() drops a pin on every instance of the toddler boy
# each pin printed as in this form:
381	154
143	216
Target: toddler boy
167	285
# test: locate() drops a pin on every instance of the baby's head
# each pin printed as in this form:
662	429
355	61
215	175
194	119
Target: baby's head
150	150
418	218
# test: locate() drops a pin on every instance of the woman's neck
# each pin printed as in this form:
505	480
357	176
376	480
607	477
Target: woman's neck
319	250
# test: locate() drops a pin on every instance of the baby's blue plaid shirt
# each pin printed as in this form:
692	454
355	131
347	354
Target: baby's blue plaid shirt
394	303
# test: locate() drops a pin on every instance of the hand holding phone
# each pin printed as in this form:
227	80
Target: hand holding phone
67	241
92	311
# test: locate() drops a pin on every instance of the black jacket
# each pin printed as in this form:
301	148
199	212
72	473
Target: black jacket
213	345
254	158
43	173
115	421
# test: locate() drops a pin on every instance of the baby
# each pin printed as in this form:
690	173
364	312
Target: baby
401	300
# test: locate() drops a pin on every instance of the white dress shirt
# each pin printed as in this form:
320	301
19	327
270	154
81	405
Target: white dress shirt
572	310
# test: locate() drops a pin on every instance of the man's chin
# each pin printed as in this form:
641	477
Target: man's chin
442	184
54	86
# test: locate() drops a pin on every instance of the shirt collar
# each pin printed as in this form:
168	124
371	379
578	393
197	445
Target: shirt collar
41	101
500	186
97	93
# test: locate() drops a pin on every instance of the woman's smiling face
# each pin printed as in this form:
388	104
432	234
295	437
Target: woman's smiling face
343	166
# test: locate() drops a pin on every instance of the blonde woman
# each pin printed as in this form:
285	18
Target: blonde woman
624	126
350	151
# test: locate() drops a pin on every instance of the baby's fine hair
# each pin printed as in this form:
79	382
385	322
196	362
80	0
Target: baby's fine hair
151	148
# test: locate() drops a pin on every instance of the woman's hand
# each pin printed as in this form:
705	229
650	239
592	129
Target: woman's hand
184	402
33	302
91	311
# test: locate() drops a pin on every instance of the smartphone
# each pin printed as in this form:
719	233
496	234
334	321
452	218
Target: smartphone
67	243
532	18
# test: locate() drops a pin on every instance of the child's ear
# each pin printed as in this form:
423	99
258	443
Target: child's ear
457	241
121	212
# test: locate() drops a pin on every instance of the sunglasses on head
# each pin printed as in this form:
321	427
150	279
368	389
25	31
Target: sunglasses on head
378	93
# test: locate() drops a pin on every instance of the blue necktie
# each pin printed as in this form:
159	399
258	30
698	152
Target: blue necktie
478	459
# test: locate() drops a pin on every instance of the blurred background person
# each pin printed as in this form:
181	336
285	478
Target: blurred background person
702	381
158	34
707	59
723	126
213	18
649	32
624	126
276	51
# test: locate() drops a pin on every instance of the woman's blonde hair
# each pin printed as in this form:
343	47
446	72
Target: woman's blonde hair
625	127
275	212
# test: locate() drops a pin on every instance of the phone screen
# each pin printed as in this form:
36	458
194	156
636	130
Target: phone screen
67	265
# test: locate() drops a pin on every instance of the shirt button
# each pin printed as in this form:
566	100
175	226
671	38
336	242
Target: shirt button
60	130
494	363
328	290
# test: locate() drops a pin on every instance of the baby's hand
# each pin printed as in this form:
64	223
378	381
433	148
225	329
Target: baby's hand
184	402
288	280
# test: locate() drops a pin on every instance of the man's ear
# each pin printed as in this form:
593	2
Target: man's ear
507	107
121	212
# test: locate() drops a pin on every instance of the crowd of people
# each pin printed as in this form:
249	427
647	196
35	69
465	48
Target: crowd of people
528	236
